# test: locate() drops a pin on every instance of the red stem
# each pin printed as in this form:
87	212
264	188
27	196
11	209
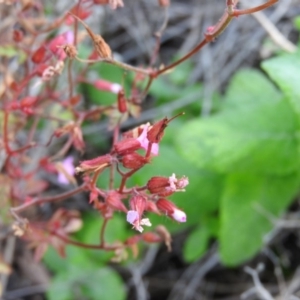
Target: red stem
56	198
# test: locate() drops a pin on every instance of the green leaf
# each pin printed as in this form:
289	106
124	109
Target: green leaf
243	224
249	88
196	243
83	283
285	71
261	139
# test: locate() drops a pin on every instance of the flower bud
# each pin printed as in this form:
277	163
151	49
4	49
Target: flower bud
122	103
39	55
101	46
114	200
156	132
133	160
95	164
159	185
138	203
171	210
70	50
127	146
108	86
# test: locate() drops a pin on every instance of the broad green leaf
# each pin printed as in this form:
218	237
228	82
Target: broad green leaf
261	139
285	71
243	221
248	88
196	243
84	283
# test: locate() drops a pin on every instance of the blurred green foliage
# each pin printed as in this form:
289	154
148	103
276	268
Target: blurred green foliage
253	142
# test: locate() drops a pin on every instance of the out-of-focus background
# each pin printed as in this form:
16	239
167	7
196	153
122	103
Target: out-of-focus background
238	143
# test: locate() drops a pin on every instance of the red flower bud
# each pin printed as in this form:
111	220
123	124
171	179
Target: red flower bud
127	146
159	185
39	55
164	186
171	210
114	200
122	103
108	86
133	160
95	164
138	204
156	132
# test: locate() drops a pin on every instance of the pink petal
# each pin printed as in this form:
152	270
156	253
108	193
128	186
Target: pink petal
132	216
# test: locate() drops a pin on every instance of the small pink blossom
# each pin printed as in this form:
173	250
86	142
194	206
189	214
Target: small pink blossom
179	215
145	142
177	185
104	85
56	44
134	219
132	216
171	210
173	181
68	168
182	182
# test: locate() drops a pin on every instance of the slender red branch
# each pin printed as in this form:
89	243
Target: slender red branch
83	245
56	198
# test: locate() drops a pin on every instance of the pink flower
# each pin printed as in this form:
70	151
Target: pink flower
67	171
171	210
56	44
179	215
134	219
104	85
145	142
178	185
132	216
